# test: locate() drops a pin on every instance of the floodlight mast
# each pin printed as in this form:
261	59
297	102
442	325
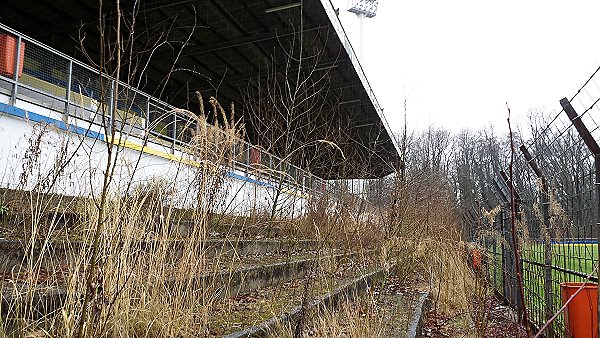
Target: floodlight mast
362	9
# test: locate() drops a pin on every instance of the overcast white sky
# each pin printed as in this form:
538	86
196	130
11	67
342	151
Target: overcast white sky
460	61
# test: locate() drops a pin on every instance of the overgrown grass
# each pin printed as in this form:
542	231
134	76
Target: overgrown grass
151	259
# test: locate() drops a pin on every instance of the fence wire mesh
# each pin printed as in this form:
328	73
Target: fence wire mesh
554	179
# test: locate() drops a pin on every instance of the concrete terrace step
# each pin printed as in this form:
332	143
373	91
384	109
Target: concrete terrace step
48	254
64	212
231	283
283	304
242	247
59	223
401	307
49	295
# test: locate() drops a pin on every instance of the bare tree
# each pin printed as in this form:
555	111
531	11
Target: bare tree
290	114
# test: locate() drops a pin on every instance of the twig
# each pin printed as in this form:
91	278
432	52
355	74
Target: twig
513	228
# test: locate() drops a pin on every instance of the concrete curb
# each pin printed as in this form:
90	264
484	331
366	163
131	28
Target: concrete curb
14	253
232	283
348	291
41	303
415	328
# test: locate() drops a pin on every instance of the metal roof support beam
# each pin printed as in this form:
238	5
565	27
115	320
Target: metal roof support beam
255	38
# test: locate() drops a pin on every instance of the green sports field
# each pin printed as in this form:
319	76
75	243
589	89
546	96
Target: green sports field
566	256
571	263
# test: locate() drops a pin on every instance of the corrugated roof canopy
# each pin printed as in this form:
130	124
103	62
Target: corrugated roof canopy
283	63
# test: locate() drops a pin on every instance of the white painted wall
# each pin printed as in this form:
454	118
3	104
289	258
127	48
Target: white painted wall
22	166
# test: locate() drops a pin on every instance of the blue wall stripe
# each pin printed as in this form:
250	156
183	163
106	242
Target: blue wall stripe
250	180
18	112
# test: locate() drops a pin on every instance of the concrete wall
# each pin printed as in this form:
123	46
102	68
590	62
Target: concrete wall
39	150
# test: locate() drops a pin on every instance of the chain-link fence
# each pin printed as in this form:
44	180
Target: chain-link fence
552	186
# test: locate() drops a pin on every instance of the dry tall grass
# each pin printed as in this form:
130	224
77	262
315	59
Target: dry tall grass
433	253
420	236
351	319
147	280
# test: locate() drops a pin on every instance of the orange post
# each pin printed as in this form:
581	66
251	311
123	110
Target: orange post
8	51
581	314
254	156
476	259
